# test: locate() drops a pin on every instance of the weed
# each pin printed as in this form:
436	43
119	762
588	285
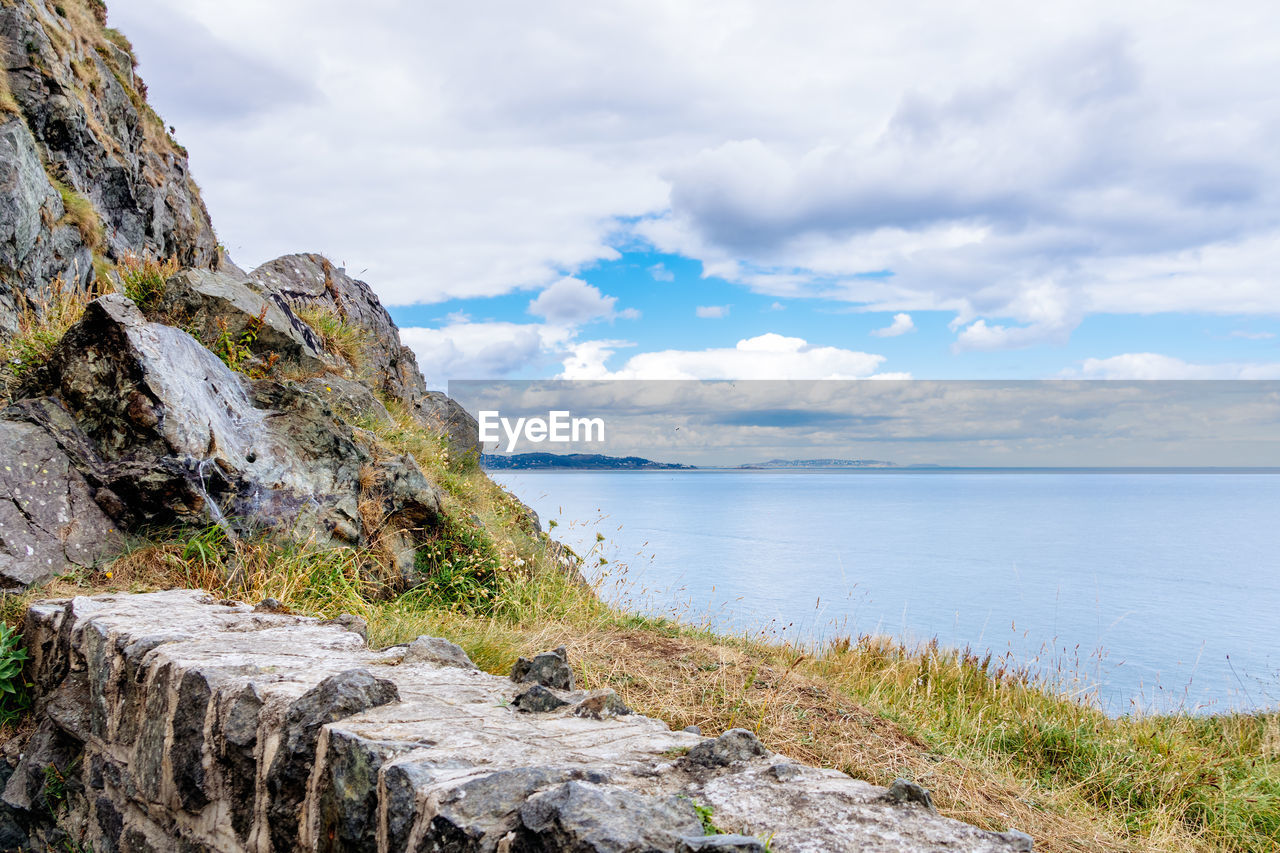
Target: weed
81	213
42	321
142	278
236	351
345	340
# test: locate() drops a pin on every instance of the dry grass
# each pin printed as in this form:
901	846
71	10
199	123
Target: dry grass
345	340
42	321
8	105
81	213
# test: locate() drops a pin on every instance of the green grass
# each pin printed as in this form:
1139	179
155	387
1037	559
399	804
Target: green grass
81	213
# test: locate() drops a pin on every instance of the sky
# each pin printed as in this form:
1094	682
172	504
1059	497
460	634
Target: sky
802	190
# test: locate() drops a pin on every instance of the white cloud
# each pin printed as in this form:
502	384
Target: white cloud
465	350
1150	365
1022	166
712	312
901	324
768	356
777	306
659	272
1252	336
573	302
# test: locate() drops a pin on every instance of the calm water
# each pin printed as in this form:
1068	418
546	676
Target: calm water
1162	589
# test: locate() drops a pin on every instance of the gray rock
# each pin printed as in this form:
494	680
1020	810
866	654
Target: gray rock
600	705
277	724
581	816
446	416
477	814
36	246
1019	842
333	699
163	431
550	669
721	844
97	142
439	651
207	301
350	622
311	281
269	605
49	523
693	730
906	791
733	746
785	771
537	699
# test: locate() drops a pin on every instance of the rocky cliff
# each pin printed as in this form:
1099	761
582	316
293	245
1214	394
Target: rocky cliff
188	391
88	171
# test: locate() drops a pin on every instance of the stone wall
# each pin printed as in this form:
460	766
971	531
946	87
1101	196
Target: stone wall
170	721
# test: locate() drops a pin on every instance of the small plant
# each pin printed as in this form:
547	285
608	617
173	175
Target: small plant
143	278
81	213
343	339
705	814
42	321
460	568
12	657
236	351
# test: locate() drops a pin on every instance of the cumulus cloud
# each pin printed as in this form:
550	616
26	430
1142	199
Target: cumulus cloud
712	312
768	356
462	349
573	302
1111	158
1150	365
902	323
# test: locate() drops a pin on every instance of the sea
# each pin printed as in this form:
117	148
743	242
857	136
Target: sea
1140	591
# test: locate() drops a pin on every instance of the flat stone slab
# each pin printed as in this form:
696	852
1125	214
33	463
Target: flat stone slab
235	730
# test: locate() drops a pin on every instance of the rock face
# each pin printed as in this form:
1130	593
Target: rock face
311	281
178	723
164	431
86	168
48	519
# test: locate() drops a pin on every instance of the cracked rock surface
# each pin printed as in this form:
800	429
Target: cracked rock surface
49	523
186	724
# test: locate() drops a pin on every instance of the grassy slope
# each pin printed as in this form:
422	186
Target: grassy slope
995	749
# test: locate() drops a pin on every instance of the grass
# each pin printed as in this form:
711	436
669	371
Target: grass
142	278
81	213
345	340
996	747
42	321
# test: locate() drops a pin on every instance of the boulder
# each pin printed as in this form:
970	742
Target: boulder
49	523
163	431
439	651
445	415
732	747
588	817
312	281
208	301
550	669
